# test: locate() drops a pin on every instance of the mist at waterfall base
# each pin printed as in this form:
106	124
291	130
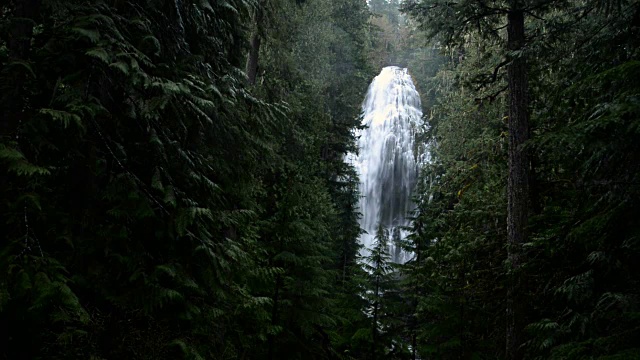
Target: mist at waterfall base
388	157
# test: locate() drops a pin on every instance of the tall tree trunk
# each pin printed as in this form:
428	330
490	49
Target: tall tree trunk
414	345
254	51
344	265
274	319
374	327
252	61
518	183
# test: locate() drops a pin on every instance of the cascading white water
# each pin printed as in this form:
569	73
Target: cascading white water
387	156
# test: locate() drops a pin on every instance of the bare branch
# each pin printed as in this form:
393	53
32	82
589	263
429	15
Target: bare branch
491	97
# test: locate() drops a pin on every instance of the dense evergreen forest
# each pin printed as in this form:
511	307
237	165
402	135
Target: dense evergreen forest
175	183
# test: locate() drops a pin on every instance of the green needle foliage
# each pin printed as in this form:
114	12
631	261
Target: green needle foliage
153	205
579	295
174	181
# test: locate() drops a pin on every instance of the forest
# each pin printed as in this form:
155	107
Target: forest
175	180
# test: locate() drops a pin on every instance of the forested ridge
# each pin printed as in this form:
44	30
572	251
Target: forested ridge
175	182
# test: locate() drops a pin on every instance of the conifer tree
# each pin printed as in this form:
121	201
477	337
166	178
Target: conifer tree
459	223
145	190
379	270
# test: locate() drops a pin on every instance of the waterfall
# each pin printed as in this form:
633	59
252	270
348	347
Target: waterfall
387	159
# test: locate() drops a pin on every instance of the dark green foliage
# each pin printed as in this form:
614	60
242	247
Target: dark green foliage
383	301
116	175
314	60
459	230
595	294
155	204
154	207
580	277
